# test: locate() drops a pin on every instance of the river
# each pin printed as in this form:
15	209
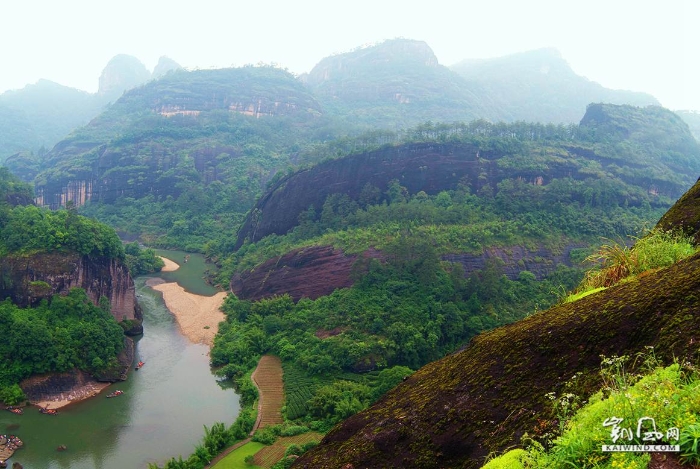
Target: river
163	410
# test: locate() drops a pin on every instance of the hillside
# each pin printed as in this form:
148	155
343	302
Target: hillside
648	148
484	398
66	291
39	115
394	257
36	117
191	140
539	86
395	84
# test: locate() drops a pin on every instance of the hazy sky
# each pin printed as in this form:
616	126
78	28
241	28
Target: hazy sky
640	45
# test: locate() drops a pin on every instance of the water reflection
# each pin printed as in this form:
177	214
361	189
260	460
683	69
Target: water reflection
161	414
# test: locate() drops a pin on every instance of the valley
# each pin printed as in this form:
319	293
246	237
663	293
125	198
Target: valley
402	236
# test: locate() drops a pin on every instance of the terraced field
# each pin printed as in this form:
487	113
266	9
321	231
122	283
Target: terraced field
268	378
270	455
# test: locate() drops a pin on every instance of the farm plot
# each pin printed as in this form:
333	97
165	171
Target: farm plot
268	378
270	455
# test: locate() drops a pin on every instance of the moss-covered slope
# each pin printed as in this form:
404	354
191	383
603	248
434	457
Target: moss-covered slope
685	213
454	412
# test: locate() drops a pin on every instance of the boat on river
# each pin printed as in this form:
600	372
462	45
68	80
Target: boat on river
15	410
140	364
47	411
116	393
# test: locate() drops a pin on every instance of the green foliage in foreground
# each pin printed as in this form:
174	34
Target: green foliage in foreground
28	229
617	262
61	334
671	396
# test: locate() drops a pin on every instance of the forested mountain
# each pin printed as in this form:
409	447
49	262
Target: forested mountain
382	261
396	84
34	118
198	143
539	86
497	393
39	115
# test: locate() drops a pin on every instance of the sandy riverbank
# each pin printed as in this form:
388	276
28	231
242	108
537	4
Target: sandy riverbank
198	316
169	265
78	394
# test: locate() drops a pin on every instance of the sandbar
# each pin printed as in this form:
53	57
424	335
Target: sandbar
77	394
169	265
198	316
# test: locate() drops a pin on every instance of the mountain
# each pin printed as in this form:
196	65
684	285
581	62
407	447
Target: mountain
486	397
692	118
122	73
41	114
397	83
214	135
165	65
539	86
650	147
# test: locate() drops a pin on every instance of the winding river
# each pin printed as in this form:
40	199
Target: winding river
162	412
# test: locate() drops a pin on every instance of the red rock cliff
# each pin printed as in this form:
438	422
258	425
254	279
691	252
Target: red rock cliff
24	279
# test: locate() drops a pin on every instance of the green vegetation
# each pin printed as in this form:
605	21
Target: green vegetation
141	261
400	315
27	230
238	459
617	262
670	396
215	441
58	335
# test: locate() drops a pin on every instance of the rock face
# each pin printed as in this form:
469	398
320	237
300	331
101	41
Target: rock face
541	262
308	272
28	279
482	399
428	167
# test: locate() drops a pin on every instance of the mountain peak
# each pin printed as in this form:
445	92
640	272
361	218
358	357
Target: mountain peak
165	65
121	73
389	53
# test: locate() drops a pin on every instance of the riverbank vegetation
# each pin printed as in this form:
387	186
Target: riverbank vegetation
141	261
58	335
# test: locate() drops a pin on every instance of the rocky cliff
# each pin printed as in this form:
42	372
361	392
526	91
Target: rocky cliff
302	273
433	167
26	280
316	271
484	398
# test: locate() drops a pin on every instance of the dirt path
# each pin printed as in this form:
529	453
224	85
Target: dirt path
267	377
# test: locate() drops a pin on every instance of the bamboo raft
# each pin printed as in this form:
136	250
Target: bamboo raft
8	447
